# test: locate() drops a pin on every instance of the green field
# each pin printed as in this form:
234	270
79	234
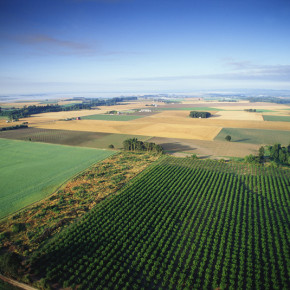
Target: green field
111	117
276	118
181	224
31	171
192	109
69	137
255	136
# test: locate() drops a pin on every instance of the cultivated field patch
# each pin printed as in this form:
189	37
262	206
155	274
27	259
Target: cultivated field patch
31	171
238	115
276	118
190	109
108	117
148	126
82	193
253	136
180	224
69	137
209	149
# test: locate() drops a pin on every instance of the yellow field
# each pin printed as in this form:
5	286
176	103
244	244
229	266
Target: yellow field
54	116
170	124
238	115
138	128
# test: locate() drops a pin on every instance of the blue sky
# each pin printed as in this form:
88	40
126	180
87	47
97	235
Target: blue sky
139	46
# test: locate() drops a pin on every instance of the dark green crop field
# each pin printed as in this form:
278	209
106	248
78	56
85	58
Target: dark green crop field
255	136
181	224
31	171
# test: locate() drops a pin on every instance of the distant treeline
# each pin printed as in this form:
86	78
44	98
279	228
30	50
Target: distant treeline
87	104
275	100
198	114
250	110
14	127
134	144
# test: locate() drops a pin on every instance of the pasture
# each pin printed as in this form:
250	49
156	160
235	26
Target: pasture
32	171
254	136
108	117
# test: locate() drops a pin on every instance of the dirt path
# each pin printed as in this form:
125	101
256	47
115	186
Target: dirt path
17	284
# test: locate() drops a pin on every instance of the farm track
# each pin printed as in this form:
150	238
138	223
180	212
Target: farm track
16	283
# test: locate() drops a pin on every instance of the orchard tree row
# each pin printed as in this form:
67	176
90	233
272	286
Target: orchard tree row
181	224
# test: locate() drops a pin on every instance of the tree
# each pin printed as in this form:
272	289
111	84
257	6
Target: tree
261	154
228	138
10	263
111	146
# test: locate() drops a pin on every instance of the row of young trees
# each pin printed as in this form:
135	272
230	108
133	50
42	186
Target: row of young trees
199	114
133	144
178	225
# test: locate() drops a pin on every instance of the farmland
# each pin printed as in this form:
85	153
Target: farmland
111	117
182	223
254	136
276	118
32	171
88	188
71	138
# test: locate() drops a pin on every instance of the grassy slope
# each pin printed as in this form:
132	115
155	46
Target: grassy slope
276	118
32	171
111	117
255	136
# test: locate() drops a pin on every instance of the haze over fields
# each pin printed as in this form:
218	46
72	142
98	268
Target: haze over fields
129	46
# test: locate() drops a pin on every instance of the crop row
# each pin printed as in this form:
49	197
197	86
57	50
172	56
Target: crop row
182	224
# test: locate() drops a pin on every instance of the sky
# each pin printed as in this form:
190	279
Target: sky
139	46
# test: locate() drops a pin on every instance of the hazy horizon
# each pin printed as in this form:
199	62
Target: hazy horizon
126	46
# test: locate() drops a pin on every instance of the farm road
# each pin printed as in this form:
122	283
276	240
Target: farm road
17	284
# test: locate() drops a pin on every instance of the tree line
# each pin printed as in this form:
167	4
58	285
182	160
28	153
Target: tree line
87	104
275	100
133	144
277	154
198	114
22	126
